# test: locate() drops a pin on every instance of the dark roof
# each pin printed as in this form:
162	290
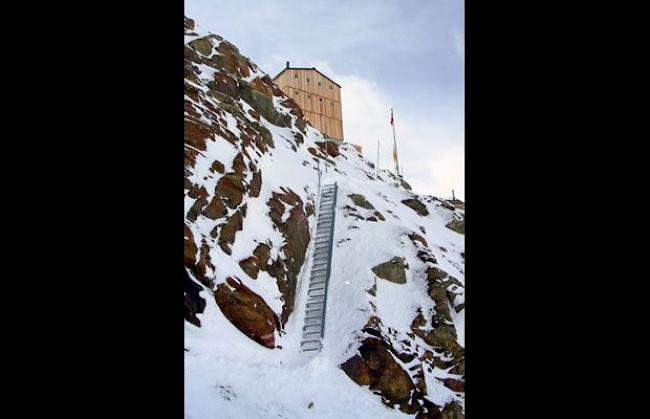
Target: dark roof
305	68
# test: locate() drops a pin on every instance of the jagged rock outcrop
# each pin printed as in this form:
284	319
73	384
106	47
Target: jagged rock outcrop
416	206
247	311
376	367
457	225
230	106
394	270
361	201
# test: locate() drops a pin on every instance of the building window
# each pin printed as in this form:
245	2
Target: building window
295	76
330	87
307	79
318	84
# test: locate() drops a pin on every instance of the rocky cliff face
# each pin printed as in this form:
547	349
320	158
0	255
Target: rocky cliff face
396	303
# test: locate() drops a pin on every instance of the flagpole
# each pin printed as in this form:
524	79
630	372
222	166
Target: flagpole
378	157
392	122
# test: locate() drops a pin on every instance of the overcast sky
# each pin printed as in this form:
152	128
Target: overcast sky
404	54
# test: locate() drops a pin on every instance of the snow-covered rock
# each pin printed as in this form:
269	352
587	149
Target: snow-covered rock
395	307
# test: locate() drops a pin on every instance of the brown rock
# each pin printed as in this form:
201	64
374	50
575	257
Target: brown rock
196	208
416	206
295	229
256	184
250	266
194	303
301	124
262	252
416	237
262	85
405	184
435	274
360	201
226	85
254	114
231	188
195	134
230	59
203	45
238	165
393	270
456	225
190	248
332	148
357	369
452	411
376	367
309	209
203	264
247	311
229	230
215	209
197	191
454	385
188	25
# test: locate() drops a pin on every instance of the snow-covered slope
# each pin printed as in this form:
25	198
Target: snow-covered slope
395	314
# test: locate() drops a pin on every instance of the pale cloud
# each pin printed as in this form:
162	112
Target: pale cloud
430	148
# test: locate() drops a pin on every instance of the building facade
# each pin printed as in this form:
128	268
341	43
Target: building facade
318	96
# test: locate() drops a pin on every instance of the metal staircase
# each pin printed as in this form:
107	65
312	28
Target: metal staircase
314	327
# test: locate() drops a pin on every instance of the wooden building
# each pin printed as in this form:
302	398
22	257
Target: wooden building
318	96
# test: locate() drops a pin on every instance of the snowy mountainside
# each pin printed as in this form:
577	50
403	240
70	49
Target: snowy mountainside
394	335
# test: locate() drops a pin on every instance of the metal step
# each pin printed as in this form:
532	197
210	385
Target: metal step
314	312
311	345
315	299
321	280
316	292
318	321
319	274
312	328
317	285
306	336
314	320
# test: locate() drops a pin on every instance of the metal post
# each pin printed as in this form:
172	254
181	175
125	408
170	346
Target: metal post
319	175
327	143
395	145
377	157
